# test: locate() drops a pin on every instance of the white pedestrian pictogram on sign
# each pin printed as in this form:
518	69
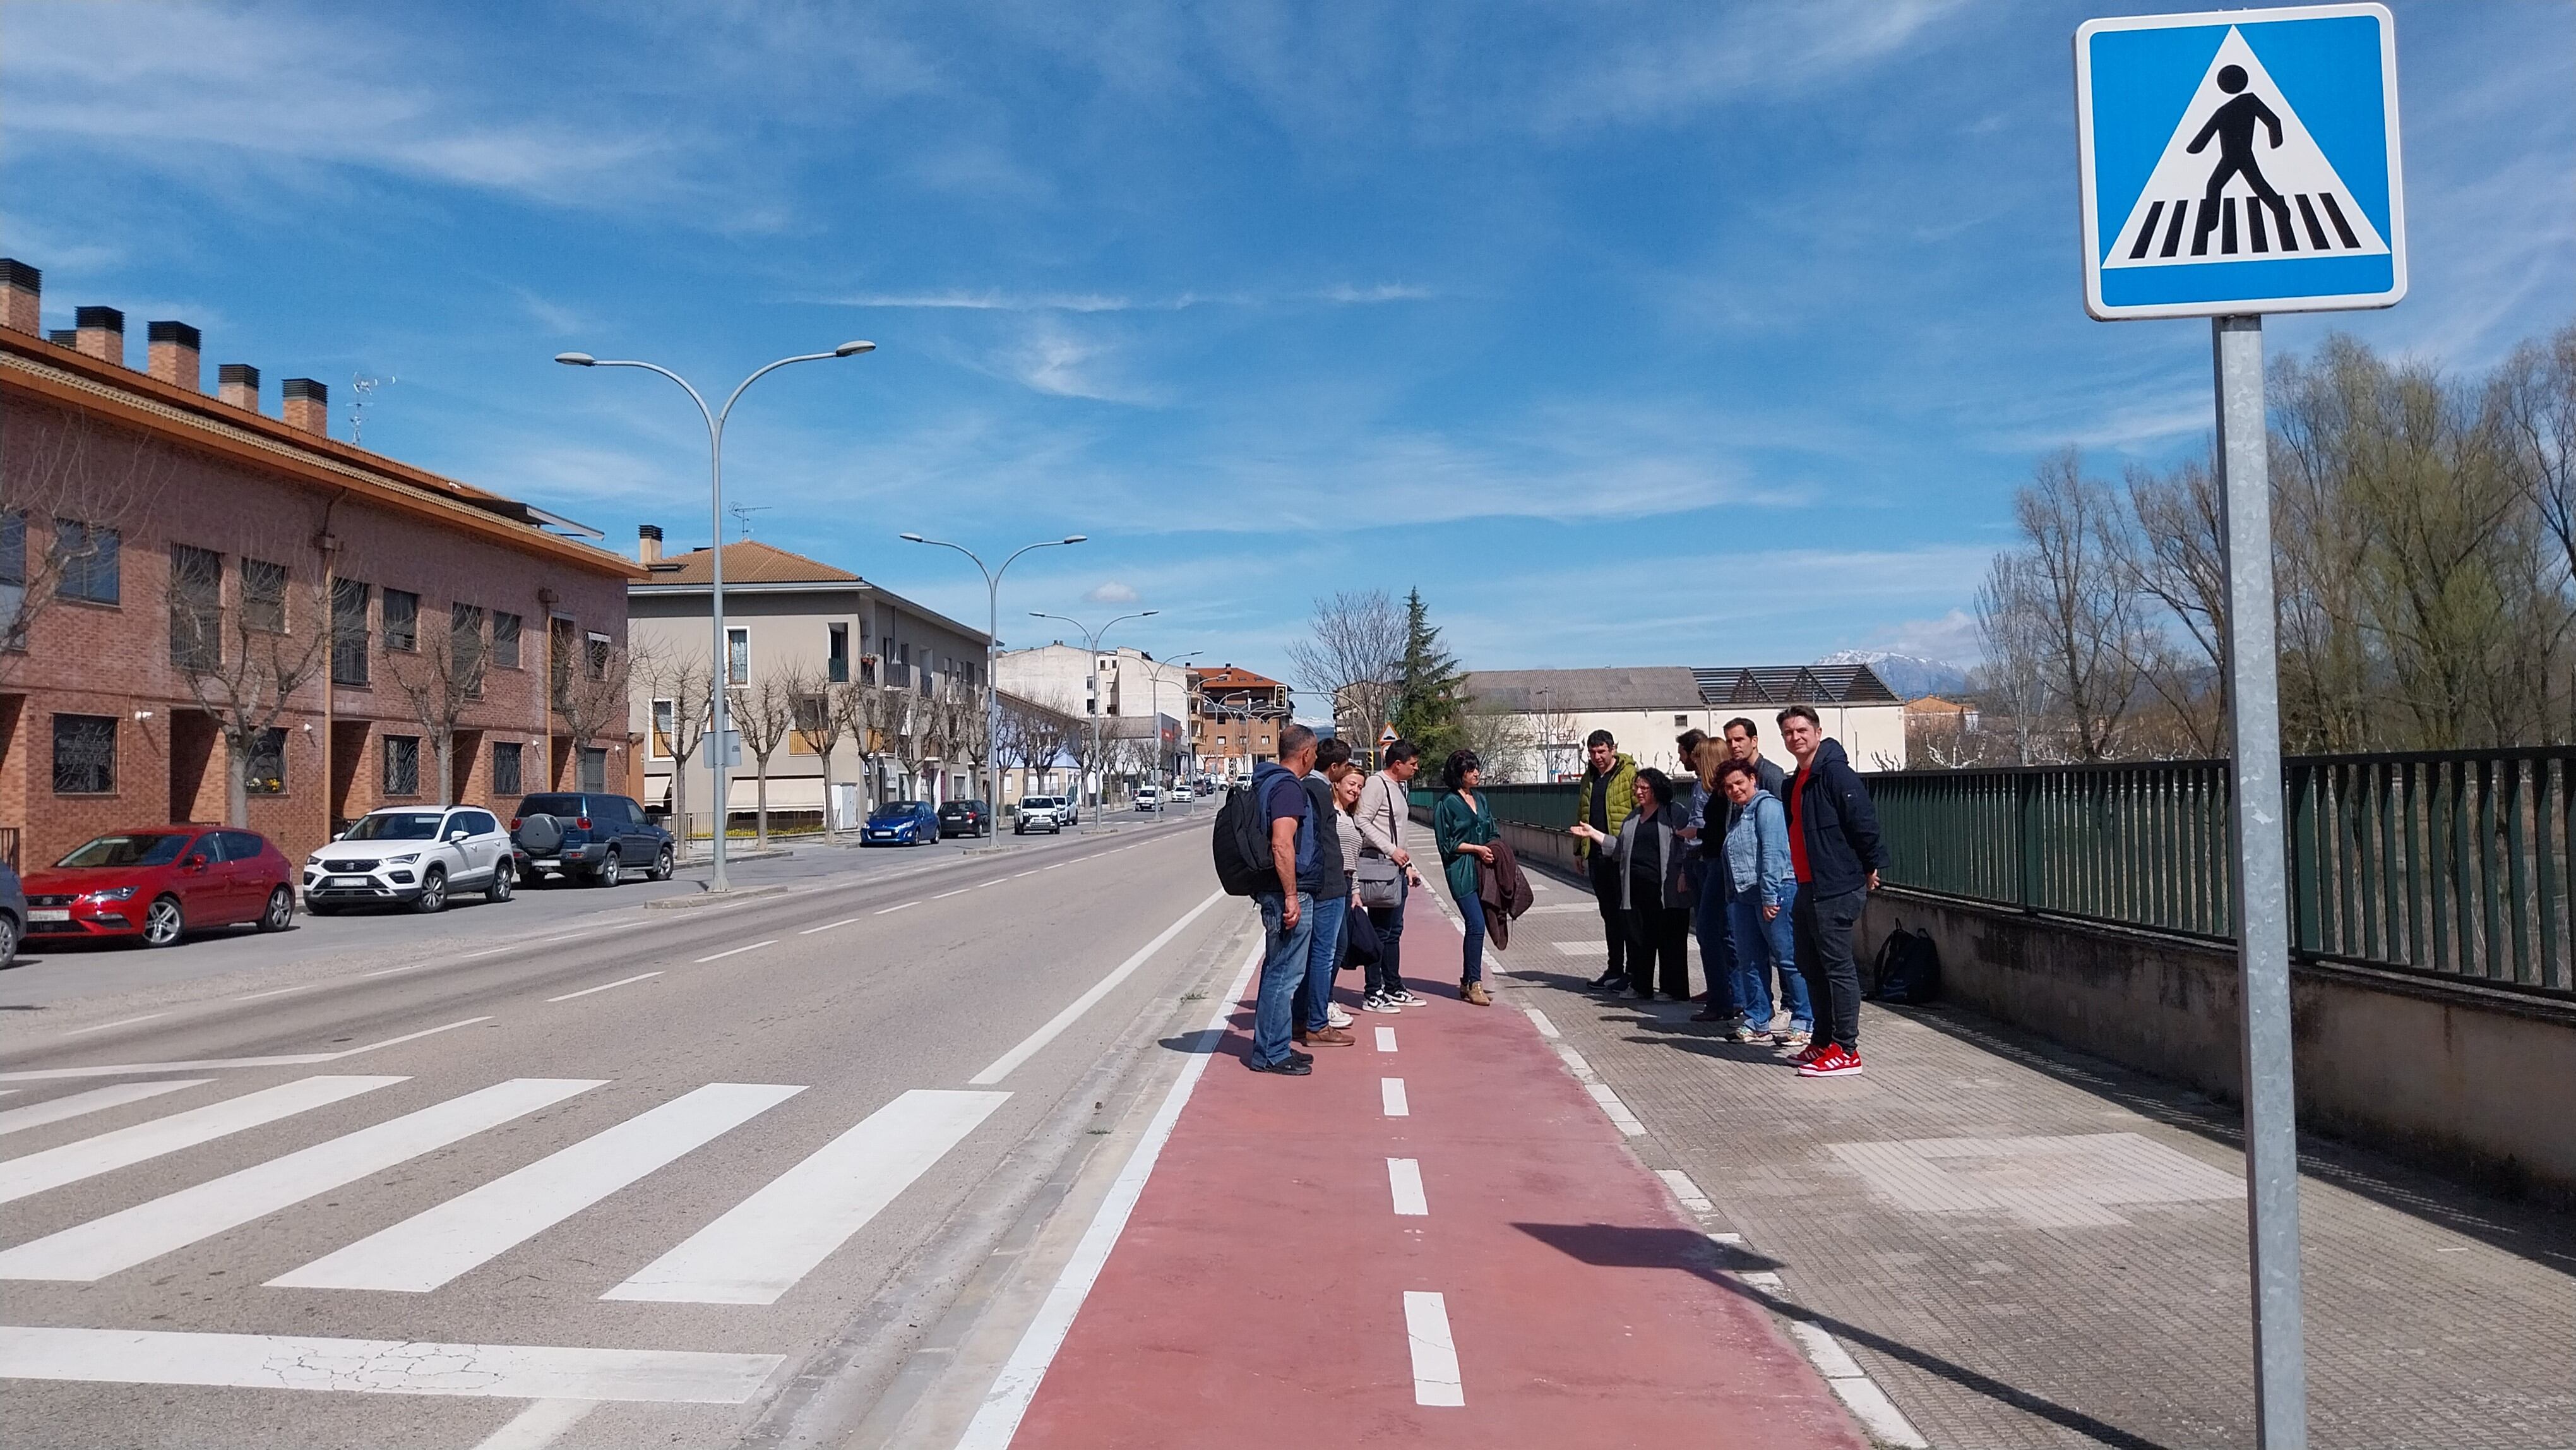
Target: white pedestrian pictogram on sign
2241	180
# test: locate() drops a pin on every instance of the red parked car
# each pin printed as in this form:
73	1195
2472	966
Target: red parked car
159	884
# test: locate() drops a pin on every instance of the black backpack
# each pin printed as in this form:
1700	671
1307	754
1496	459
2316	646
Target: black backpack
1241	846
1908	969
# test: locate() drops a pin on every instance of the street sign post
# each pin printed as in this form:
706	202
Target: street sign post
2236	163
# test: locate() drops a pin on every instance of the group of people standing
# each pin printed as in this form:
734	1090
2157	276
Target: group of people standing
1768	868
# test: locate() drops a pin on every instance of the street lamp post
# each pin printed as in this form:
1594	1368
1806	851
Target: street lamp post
992	643
1156	677
715	555
1091	641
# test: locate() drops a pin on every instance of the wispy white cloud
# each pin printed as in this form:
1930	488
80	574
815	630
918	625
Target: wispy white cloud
1111	592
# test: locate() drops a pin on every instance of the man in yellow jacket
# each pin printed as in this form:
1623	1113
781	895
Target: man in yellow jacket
1608	793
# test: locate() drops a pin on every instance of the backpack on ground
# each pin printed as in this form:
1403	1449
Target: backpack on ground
1908	969
1241	846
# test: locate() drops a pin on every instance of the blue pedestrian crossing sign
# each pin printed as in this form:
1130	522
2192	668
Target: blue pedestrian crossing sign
2239	162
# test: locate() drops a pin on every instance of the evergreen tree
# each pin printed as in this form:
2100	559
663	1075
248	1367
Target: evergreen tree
1429	700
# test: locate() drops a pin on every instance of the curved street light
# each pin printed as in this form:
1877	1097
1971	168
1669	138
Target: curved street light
993	643
1091	641
715	557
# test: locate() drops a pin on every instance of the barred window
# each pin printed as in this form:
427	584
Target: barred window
84	754
505	769
349	631
267	773
402	765
402	620
465	647
263	596
86	558
505	639
196	608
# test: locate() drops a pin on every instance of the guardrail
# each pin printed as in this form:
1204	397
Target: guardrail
2451	864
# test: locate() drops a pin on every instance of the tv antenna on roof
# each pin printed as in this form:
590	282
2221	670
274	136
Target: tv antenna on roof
361	388
742	513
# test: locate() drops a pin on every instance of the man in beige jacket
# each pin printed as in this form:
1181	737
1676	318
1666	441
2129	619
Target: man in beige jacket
1385	802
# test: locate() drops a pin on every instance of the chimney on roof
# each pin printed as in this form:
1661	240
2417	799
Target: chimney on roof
22	288
171	355
100	332
307	406
648	543
238	384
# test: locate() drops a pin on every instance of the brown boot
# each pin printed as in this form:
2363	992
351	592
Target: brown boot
1474	994
1328	1037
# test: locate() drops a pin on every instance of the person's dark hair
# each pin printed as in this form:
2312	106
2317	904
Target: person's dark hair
1689	741
1745	723
1599	737
1294	737
1659	783
1738	767
1453	774
1801	712
1402	751
1332	752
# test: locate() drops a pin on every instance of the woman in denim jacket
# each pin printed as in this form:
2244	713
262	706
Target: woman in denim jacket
1759	909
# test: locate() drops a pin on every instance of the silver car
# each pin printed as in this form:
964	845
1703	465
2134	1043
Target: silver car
415	856
1038	812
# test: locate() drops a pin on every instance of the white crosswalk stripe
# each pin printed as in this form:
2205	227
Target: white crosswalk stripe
37	1115
126	1147
429	1249
103	1246
763	1245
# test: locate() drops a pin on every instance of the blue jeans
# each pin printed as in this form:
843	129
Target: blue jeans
1322	960
1471	912
1710	921
1761	946
1283	966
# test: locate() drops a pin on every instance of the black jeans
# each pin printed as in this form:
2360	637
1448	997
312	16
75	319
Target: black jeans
1386	976
1614	917
1659	937
1825	925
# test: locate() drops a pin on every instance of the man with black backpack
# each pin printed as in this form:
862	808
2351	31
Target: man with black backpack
1287	898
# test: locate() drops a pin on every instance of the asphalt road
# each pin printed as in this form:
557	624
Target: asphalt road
574	1175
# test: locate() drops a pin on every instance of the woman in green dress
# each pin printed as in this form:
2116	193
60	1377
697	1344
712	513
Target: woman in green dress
1463	826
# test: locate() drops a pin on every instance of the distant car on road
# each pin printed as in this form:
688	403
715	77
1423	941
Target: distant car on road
1181	795
587	836
414	856
1039	812
1146	798
13	913
965	818
901	823
158	884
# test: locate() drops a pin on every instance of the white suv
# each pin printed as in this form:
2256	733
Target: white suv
413	855
1038	810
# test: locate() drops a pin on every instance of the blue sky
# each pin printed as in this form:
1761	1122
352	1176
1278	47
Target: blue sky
1698	334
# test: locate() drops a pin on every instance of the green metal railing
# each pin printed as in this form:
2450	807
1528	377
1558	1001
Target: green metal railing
2450	863
1548	806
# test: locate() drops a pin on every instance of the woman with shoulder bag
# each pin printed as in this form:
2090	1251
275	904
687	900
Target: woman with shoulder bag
1386	876
1464	827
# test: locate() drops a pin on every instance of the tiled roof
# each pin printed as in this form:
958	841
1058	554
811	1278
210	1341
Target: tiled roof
1794	684
1227	677
750	562
1652	687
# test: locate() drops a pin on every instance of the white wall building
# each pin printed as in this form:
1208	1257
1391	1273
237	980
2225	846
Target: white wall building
1124	685
1645	709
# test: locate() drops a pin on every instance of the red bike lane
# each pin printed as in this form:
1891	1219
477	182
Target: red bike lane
1272	1284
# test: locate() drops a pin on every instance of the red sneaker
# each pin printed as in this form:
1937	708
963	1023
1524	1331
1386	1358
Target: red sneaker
1809	1053
1833	1062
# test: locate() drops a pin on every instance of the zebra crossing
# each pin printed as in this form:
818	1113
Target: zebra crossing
2279	224
751	1254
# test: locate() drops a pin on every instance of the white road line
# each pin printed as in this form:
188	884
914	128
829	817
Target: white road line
1539	1020
37	1115
538	1426
1008	1400
398	971
1685	1190
1578	948
278	992
1436	1380
121	1022
1390	1092
381	1366
761	1246
1404	1184
430	1248
90	1157
1024	875
1851	1384
734	952
1386	1039
893	909
103	1246
489	952
1050	868
1575	1064
604	986
844	921
1029	1046
1624	1120
960	891
206	1064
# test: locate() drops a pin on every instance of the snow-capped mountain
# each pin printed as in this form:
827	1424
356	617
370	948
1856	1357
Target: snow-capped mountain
1908	675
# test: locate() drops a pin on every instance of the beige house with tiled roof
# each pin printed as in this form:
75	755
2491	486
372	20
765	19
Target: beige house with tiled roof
1235	715
784	610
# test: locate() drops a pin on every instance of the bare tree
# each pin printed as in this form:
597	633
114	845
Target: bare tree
590	692
914	734
965	730
686	682
71	489
765	712
1503	740
870	712
2177	555
819	727
1553	729
439	679
2011	629
243	663
1350	654
2087	612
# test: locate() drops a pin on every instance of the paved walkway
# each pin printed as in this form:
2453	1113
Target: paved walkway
2027	1247
1439	1238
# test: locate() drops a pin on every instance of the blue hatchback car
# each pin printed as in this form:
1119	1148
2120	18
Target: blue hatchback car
901	823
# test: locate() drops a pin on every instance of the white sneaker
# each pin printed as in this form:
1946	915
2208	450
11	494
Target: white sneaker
1404	999
1379	1002
1334	1014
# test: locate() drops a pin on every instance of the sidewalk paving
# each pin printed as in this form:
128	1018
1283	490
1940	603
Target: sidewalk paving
2028	1247
1302	1251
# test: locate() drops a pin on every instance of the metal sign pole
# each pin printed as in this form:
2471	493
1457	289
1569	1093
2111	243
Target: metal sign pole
2262	891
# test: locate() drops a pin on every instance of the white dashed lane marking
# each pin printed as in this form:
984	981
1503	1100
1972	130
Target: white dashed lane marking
734	952
1404	1185
1390	1092
1436	1380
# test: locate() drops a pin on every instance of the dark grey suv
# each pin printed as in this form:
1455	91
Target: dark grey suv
584	836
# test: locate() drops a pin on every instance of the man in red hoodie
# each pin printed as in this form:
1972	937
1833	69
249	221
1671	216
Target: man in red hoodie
1835	851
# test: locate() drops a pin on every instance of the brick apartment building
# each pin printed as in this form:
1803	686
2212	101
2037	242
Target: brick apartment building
176	568
1235	717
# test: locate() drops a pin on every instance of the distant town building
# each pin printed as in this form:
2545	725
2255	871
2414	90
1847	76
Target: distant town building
1236	726
1547	714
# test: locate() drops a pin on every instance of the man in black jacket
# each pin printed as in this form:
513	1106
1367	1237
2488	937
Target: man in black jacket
1834	847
